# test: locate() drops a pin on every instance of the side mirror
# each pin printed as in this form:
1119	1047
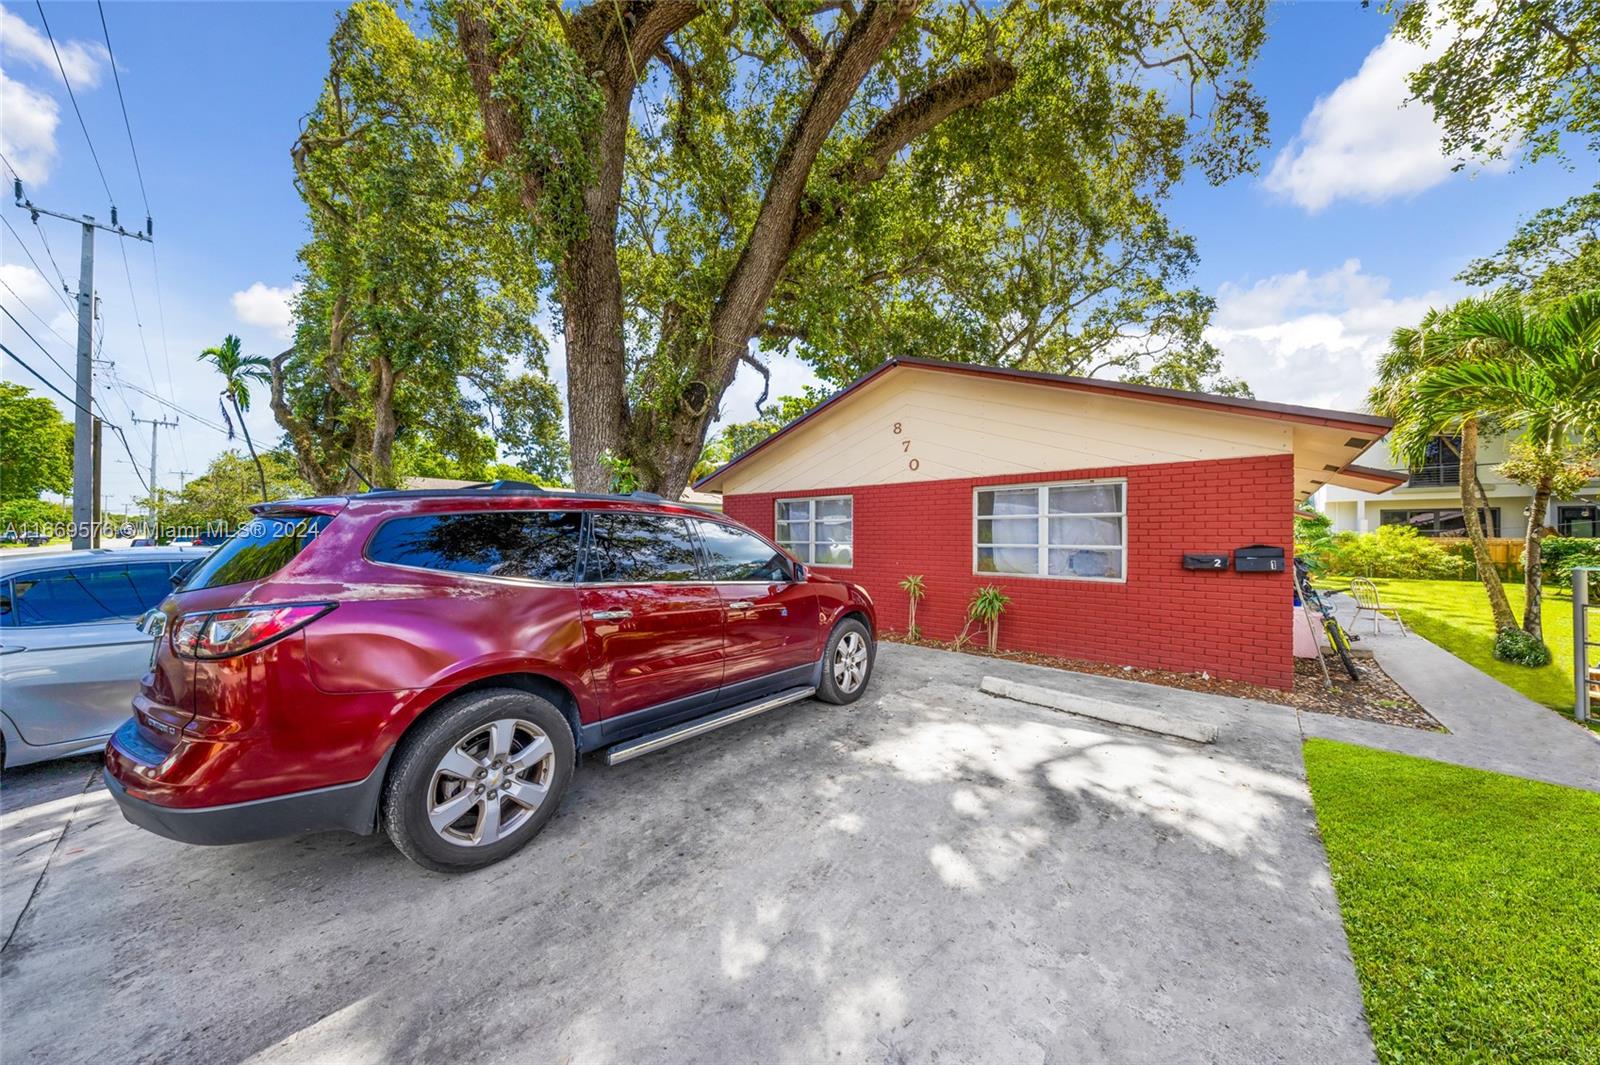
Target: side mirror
799	572
181	574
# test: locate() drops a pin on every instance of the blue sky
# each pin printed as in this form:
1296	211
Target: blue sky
1353	226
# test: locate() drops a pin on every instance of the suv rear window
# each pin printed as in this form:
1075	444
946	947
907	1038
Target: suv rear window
259	549
540	545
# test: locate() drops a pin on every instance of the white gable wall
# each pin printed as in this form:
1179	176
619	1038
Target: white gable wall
960	425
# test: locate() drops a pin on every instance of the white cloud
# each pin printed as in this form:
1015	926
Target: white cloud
28	132
1313	338
29	285
266	307
83	61
1364	141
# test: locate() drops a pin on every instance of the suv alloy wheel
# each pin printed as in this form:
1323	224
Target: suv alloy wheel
479	780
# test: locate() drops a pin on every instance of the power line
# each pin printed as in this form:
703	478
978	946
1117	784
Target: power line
155	268
36	267
74	98
166	352
36	344
138	322
46	383
200	419
30	310
112	57
113	425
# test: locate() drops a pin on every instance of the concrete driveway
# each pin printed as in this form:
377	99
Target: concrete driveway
931	873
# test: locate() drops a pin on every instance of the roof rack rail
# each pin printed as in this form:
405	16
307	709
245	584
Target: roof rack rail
649	497
507	486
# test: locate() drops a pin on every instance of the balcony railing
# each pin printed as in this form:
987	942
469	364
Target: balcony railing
1438	476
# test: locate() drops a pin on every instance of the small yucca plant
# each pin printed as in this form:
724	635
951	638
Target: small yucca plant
914	590
988	603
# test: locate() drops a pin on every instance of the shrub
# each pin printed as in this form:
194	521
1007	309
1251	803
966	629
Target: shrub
33	515
914	591
1313	537
1559	555
1392	551
987	604
1519	648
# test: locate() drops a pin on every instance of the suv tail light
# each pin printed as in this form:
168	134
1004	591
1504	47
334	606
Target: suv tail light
225	633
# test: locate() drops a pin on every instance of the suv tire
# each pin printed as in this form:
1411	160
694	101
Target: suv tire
847	663
478	779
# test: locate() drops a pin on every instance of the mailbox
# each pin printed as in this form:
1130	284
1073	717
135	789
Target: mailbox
1200	560
1258	558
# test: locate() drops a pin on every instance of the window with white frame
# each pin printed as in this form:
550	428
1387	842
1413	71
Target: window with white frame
819	531
1074	531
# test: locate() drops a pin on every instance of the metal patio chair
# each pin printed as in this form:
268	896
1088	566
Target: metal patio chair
1369	602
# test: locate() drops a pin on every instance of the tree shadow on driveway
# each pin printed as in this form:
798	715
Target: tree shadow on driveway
928	872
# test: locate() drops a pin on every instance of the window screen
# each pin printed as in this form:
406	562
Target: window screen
539	545
640	549
1072	531
820	531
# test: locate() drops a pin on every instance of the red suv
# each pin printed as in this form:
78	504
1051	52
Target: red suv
433	662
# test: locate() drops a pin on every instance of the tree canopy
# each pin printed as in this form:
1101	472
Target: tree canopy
1505	78
1554	254
35	445
703	185
417	311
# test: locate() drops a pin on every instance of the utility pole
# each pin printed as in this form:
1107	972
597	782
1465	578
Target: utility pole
155	425
183	477
83	448
99	502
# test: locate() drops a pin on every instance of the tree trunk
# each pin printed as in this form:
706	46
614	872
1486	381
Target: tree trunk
261	471
384	426
597	365
1499	605
1532	560
324	482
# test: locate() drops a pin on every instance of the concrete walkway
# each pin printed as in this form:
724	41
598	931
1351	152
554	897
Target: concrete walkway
1491	726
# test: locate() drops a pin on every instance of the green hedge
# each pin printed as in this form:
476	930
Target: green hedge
1559	554
1392	551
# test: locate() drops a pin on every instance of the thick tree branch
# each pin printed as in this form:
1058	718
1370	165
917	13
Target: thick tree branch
903	124
767	249
502	129
798	36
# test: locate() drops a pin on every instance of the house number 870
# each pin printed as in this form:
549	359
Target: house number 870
905	446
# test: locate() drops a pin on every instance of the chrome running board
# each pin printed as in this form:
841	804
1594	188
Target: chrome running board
655	741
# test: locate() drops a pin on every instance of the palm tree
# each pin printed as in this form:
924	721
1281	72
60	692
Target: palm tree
1539	372
1413	354
237	371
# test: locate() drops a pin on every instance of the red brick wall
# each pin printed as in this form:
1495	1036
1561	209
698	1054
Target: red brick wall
1234	625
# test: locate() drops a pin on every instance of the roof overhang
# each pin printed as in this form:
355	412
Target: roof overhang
1326	442
1368	479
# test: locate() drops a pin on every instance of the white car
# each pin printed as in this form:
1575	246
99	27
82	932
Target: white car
71	649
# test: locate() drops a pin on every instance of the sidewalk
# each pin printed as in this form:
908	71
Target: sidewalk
1491	726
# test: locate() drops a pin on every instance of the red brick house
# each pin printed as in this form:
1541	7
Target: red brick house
1079	498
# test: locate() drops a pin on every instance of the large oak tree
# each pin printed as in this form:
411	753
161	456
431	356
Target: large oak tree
709	183
416	319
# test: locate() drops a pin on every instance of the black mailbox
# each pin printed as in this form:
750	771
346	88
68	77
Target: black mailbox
1199	560
1258	558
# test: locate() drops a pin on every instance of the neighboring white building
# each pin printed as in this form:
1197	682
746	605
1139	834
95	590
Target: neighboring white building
1430	500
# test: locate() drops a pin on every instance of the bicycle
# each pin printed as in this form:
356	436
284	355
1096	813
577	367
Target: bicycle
1338	639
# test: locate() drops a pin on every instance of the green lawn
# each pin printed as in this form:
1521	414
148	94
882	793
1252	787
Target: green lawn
1472	904
1455	615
